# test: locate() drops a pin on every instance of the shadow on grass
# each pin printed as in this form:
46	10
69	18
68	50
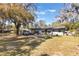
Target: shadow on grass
12	45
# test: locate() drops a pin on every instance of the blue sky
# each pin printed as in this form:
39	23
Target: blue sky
48	11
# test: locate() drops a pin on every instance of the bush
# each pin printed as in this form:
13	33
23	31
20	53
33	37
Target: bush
47	37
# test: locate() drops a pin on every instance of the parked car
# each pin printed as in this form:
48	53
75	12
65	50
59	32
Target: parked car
5	31
69	33
27	32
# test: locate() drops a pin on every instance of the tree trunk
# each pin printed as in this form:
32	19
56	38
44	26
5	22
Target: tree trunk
17	29
45	31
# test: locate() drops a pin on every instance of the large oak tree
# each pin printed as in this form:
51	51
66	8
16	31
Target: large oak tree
16	13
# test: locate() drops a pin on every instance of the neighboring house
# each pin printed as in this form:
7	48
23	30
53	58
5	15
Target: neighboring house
51	30
59	30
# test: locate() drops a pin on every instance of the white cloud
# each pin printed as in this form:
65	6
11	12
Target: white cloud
52	10
40	12
40	19
44	12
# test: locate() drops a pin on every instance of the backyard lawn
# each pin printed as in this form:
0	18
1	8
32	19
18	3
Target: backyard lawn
58	46
26	46
11	45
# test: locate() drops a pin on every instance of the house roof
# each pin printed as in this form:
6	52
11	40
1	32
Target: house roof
50	28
